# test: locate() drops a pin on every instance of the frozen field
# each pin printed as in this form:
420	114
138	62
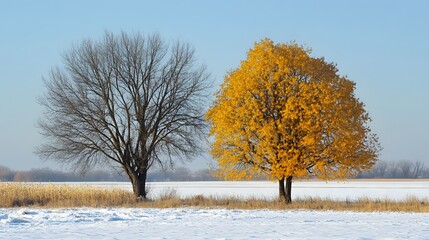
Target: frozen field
350	190
188	223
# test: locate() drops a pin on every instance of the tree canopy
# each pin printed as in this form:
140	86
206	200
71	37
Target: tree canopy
286	114
127	100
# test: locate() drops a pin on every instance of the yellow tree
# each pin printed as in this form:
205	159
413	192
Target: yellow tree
288	115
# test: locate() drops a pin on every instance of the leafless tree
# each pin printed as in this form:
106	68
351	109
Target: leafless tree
393	170
6	174
397	169
418	169
128	100
405	168
379	169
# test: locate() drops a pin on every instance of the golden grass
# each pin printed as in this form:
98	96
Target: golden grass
361	205
49	195
61	196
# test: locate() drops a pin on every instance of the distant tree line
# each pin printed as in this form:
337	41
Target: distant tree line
397	169
50	175
181	174
383	169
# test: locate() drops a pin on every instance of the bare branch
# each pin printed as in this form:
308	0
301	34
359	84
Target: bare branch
127	99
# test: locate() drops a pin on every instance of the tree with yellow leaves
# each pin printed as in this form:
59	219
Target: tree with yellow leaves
285	114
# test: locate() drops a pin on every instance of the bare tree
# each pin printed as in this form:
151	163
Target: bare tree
405	168
6	174
418	169
127	100
397	169
379	169
393	170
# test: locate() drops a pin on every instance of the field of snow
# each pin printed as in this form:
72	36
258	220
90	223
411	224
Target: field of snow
188	223
333	190
398	190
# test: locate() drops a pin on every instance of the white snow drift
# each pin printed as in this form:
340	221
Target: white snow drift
188	223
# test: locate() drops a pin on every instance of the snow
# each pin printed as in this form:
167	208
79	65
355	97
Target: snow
190	223
347	190
350	190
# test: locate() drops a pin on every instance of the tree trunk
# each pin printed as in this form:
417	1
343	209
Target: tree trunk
288	195
139	186
138	181
282	193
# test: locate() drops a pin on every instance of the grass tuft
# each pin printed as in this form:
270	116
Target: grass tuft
64	196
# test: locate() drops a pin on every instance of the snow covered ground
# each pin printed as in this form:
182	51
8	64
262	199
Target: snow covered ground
398	190
351	190
189	223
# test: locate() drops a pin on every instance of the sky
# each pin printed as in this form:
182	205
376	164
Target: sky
383	46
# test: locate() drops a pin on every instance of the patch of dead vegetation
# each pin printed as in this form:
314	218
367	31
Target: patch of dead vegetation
64	196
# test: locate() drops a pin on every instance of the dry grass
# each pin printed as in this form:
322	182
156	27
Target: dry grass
58	196
361	205
48	195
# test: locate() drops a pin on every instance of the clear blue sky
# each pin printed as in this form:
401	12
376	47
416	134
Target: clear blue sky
381	45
